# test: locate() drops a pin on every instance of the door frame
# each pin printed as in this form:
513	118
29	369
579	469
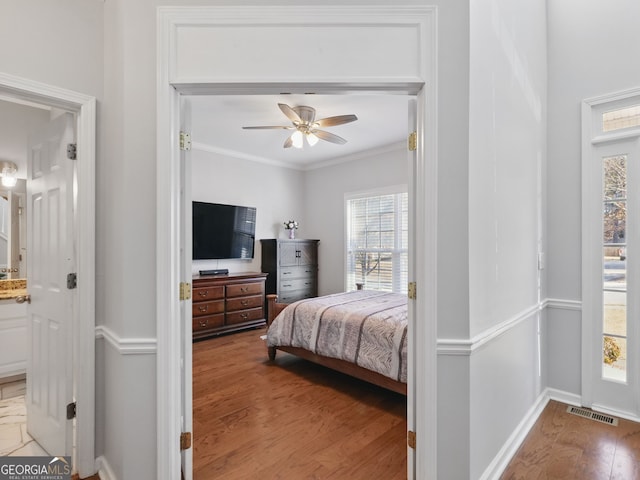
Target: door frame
593	137
83	330
170	183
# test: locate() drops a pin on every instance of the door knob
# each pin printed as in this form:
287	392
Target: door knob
23	298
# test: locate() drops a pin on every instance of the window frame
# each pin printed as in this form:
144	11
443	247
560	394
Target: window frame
398	286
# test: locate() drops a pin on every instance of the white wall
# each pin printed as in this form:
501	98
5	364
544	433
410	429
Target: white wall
277	193
325	189
507	147
593	54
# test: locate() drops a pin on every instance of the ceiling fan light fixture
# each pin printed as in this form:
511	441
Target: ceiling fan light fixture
312	139
296	138
8	173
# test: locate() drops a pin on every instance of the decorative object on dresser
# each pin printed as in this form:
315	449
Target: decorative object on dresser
292	226
227	303
292	266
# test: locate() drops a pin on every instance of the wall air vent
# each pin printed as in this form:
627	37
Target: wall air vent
598	417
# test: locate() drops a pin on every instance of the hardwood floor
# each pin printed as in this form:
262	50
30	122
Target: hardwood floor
291	419
565	446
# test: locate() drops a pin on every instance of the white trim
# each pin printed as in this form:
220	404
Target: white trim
169	182
563	304
382	150
12	369
563	397
517	437
467	346
513	443
463	346
595	142
105	472
84	336
127	346
616	413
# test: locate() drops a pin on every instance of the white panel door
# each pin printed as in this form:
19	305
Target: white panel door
50	243
612	305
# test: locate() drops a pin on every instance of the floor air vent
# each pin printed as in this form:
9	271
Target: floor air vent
598	417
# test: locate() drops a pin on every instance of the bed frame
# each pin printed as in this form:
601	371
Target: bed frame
348	368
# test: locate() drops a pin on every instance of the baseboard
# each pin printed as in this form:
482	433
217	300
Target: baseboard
509	449
104	470
564	397
511	446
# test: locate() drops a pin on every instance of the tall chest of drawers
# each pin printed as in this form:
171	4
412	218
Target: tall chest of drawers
226	303
292	266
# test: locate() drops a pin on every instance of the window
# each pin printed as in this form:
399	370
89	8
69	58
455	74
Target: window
377	240
621	118
614	329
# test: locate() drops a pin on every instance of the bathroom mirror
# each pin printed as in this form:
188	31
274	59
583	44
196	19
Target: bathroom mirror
12	232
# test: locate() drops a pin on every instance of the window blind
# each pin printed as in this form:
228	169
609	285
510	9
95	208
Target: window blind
377	242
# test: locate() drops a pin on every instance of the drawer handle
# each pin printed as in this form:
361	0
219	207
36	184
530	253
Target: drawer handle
287	273
203	293
244	316
244	303
286	284
244	289
203	308
204	323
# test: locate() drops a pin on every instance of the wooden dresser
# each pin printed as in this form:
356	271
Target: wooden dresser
226	303
292	266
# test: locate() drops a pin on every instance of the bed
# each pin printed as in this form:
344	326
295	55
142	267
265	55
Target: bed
361	333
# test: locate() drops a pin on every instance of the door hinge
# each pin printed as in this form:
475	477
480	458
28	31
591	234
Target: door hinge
71	411
411	439
72	151
72	280
411	290
413	141
185	440
185	141
185	291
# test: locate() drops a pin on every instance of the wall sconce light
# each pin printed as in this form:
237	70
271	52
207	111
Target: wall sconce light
8	173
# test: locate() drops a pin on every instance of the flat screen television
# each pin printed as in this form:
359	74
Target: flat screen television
223	231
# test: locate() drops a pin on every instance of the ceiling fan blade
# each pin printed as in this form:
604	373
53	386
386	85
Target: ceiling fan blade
268	127
337	120
329	137
288	143
290	113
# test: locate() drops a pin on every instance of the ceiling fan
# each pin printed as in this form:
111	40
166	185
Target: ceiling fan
306	126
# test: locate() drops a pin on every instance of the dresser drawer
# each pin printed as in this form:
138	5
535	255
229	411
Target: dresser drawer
287	273
207	322
295	295
298	284
242	316
244	289
242	303
207	293
207	308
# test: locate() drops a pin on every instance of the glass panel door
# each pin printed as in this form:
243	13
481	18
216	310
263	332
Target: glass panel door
614	284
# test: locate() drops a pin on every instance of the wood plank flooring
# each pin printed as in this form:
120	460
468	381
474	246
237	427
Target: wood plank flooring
565	446
291	419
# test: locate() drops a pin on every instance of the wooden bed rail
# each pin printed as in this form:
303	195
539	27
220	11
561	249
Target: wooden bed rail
273	307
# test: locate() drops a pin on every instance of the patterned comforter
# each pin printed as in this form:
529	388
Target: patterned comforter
365	327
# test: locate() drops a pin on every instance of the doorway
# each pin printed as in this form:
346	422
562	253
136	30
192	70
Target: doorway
14	88
403	61
611	240
245	176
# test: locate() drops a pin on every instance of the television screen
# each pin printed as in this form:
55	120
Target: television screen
223	231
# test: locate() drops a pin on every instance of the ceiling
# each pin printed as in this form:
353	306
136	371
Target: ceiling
217	121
